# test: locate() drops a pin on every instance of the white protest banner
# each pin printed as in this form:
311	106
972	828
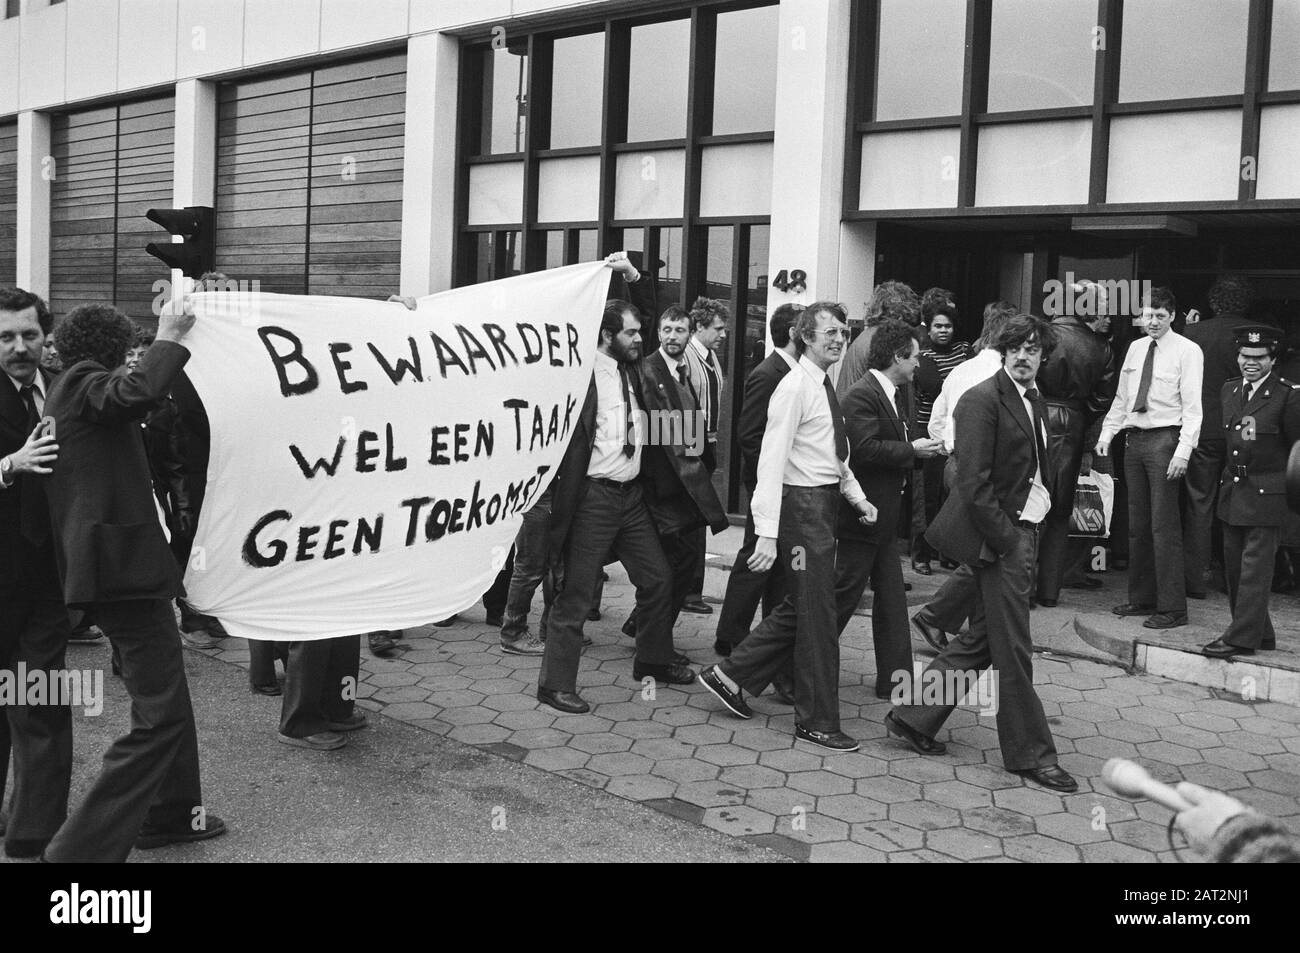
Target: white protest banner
369	464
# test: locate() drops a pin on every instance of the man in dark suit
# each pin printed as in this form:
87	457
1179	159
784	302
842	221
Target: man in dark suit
990	522
34	625
114	560
677	488
882	455
1260	422
746	588
1230	298
599	507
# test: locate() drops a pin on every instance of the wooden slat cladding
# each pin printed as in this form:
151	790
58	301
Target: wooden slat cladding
110	165
309	179
8	203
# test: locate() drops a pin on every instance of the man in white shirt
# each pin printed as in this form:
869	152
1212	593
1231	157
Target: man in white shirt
802	472
1158	403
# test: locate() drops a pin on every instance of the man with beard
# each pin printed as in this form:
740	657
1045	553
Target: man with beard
598	508
1003	493
802	472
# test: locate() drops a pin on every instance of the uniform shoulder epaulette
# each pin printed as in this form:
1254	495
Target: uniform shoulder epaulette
1286	383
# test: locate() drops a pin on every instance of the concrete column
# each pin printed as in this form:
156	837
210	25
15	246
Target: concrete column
429	164
808	156
36	169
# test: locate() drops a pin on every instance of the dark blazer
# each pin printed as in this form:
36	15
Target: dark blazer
1216	338
677	487
1260	434
25	570
880	456
995	468
760	383
108	541
1078	381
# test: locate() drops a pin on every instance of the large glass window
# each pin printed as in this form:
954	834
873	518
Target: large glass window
1284	61
577	79
505	91
657	81
1041	54
1180	49
744	76
921	58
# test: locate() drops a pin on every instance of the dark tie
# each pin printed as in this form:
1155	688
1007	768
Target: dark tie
1144	387
1036	401
32	518
898	409
629	432
712	376
681	374
837	421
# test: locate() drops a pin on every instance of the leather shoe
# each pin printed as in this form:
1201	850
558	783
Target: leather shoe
85	635
1166	620
833	740
270	688
722	648
321	741
1053	776
629	627
570	703
698	606
447	622
913	738
783	694
213	826
934	636
948	564
734	701
22	849
922	568
1197	595
593	615
1087	582
1221	649
382	644
1129	608
671	674
681	658
353	722
1047	603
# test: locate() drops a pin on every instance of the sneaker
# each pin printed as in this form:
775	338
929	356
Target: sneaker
321	741
524	645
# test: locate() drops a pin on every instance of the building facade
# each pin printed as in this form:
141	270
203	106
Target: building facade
758	152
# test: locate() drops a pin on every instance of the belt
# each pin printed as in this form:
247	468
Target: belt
616	484
1026	524
1133	430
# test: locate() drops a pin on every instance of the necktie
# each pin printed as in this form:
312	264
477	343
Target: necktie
837	421
898	409
712	376
32	521
1144	387
1036	401
681	374
629	432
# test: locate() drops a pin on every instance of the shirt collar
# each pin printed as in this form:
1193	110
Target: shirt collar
885	382
605	362
788	358
1253	389
811	369
1020	387
38	382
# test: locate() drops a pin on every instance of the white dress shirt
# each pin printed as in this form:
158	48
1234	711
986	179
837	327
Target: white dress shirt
888	387
963	377
607	458
1039	500
38	394
1174	398
798	446
1253	389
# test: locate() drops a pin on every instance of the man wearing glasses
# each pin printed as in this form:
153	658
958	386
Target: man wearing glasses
802	472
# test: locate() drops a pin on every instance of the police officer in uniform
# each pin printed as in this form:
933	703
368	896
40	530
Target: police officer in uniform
1261	420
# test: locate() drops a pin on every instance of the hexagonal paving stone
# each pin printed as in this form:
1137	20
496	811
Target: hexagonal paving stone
662	749
517	720
1036	848
702	735
981	737
531	738
924	815
479	734
409	693
739	821
1252	742
959	795
792	760
819	783
511	702
599	742
503	686
1028	801
1130	731
1214	776
473	715
781	803
1168	753
686	769
590	778
997	821
923	770
1113	853
684	715
1072	828
556	759
1112	696
845	852
1280	782
1155	717
642	729
1089	711
1208	722
640	787
852	808
856	765
994	778
725	755
1067	727
921	857
1112	809
815	828
888	790
432	670
749	776
760	739
709	794
1266	726
963	844
624	711
412	711
1189	737
1235	758
886	836
486	672
1174	703
1102	747
586	724
1144	835
458	699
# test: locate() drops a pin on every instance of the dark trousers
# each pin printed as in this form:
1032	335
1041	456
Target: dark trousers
746	589
950	607
320	684
150	775
533	568
494	600
803	628
34	632
999	636
930	477
1155	523
858	562
609	519
1204	469
261	661
683	556
1248	553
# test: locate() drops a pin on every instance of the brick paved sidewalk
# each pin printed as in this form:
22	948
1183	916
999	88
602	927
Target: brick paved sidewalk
679	752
